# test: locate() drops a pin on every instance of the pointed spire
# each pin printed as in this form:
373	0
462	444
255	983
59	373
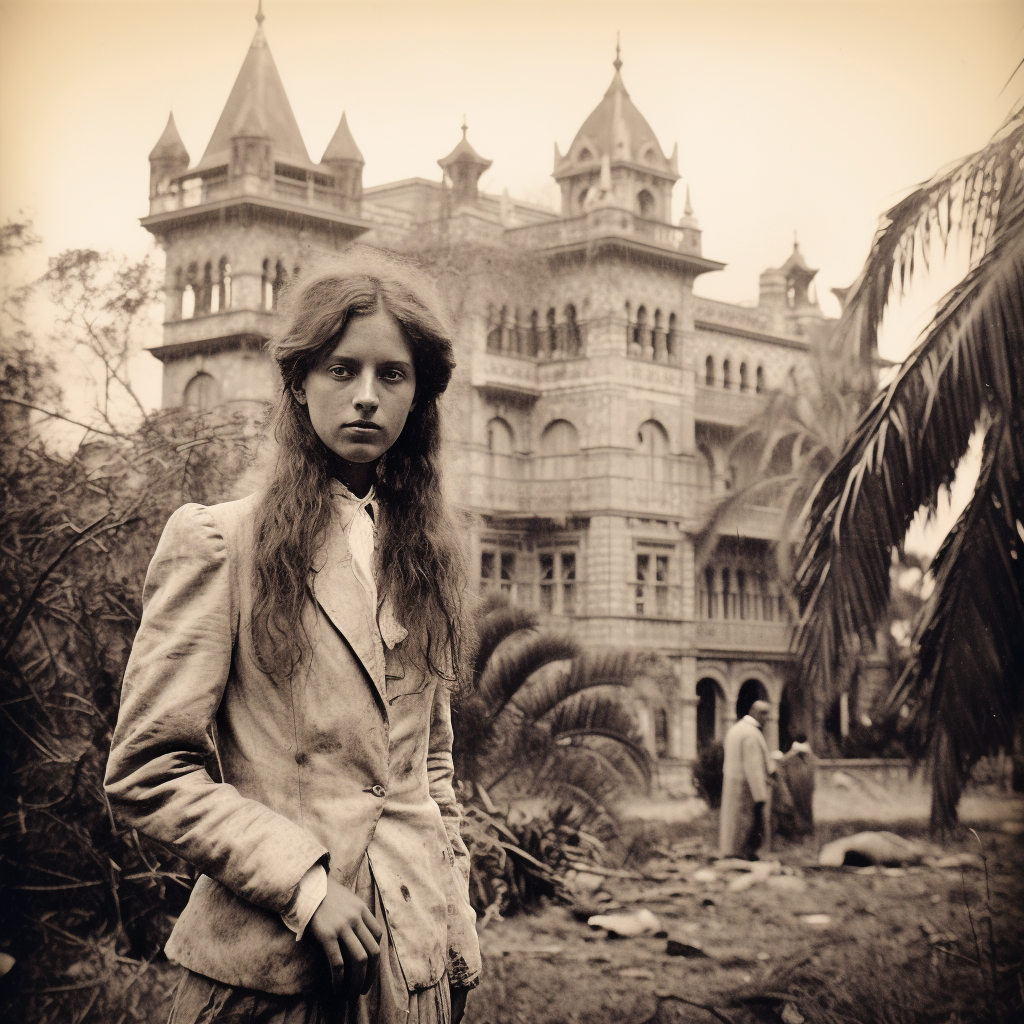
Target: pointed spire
259	88
688	220
688	208
617	63
673	160
260	16
169	146
463	167
342	148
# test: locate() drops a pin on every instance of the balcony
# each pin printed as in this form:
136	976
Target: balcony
191	193
725	406
760	521
186	337
742	635
611	222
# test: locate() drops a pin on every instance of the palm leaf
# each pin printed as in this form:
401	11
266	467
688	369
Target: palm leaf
498	620
599	715
968	368
603	668
507	672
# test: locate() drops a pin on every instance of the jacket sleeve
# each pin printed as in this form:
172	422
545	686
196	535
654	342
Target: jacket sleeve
463	945
754	768
157	779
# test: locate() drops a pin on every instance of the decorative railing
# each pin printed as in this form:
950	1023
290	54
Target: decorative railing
726	406
200	191
742	635
602	223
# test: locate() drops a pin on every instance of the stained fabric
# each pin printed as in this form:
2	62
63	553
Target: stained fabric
201	1000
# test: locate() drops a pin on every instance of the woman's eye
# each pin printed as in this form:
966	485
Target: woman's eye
340	371
393	375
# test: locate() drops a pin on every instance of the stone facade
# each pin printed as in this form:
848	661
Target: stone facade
595	396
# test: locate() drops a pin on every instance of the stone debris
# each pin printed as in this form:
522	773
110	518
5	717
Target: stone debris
957	860
677	948
791	1015
627	926
705	875
755	872
639	973
816	920
867	848
787	883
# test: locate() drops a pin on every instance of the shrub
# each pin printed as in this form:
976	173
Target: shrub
708	773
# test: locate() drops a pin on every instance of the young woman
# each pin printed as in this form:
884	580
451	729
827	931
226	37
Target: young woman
284	721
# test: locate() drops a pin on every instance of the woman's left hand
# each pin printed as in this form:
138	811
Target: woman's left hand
459	996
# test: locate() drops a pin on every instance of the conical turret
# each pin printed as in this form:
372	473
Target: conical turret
257	102
168	159
463	167
344	161
643	176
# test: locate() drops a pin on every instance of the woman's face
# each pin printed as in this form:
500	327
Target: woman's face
360	394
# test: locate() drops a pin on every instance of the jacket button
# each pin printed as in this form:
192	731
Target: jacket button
377	791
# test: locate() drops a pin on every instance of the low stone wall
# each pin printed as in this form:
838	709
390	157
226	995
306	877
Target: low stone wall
883	771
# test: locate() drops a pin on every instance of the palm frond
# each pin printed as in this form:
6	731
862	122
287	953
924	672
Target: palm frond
966	684
498	619
907	447
967	370
507	672
592	713
593	668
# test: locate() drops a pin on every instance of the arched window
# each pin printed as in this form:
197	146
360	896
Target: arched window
517	333
751	690
645	203
759	385
726	374
744	383
584	154
711	598
266	287
670	339
552	346
658	338
642	333
727	609
504	330
188	302
660	732
224	284
280	279
709	371
201	392
204	298
493	330
534	346
741	589
558	451
572	331
710	705
501	444
652	440
581	199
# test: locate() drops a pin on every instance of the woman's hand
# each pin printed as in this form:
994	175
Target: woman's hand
459	996
350	936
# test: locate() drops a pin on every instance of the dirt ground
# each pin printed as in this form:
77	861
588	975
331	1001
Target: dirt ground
900	938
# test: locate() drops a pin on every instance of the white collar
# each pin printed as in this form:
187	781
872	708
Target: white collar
752	720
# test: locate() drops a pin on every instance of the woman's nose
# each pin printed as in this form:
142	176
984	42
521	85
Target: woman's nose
366	393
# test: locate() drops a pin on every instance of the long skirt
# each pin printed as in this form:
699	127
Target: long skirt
201	1000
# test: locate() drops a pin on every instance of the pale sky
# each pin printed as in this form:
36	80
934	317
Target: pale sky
811	117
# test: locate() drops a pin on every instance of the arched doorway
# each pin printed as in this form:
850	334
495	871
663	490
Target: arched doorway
751	690
710	703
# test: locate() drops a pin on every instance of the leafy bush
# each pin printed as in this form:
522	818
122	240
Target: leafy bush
708	773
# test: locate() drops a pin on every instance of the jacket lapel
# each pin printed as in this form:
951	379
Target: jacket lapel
344	601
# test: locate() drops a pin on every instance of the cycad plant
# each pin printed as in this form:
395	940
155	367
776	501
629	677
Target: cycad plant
542	719
961	689
545	750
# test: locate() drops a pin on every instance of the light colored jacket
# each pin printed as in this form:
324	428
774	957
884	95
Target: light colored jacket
253	781
744	783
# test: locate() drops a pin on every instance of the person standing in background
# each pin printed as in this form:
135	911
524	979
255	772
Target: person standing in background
745	785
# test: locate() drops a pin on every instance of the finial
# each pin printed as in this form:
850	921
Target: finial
617	63
260	16
465	127
688	208
796	244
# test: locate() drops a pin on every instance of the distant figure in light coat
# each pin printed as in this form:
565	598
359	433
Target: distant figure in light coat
745	786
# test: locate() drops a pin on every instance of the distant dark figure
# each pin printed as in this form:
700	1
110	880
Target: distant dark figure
793	792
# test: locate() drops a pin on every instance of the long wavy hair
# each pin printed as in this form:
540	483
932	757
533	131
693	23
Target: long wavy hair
419	560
